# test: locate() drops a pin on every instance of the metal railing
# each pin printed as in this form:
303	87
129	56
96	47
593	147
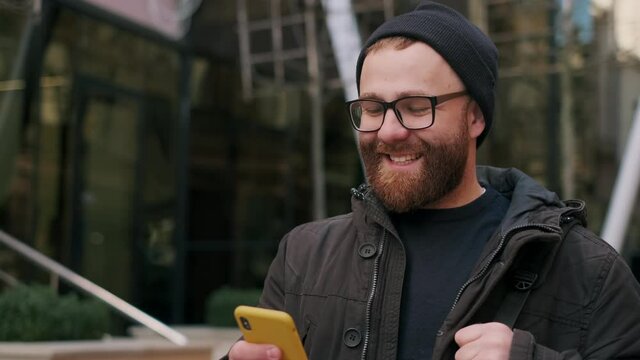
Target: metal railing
92	289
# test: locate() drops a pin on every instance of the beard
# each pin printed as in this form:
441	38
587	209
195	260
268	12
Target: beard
441	171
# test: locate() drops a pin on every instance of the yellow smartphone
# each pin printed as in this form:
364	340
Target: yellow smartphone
265	326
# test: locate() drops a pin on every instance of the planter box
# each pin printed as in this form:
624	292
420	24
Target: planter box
113	349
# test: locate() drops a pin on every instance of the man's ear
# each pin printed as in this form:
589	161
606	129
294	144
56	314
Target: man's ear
475	120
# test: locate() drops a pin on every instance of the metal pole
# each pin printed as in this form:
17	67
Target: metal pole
346	44
245	50
625	189
276	40
182	186
567	134
93	289
553	111
317	121
345	41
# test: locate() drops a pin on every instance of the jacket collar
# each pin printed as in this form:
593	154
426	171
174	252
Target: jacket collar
530	202
368	209
532	207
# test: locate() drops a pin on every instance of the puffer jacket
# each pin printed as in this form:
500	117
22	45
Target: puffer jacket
341	280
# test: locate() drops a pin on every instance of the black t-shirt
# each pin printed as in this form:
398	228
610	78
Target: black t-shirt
442	246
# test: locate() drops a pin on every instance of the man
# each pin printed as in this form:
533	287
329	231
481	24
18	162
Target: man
441	259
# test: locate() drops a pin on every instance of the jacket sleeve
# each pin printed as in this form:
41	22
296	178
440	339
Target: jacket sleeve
274	284
613	328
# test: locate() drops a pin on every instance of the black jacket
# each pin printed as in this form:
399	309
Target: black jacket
341	280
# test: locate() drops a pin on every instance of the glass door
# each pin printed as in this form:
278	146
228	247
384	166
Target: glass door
123	216
104	191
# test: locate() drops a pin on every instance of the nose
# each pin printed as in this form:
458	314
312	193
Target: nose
392	130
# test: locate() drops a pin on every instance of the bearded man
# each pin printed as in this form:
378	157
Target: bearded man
439	258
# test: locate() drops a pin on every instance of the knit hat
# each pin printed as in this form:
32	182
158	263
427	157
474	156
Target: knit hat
470	53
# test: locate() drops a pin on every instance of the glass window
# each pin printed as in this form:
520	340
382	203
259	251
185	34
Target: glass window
14	184
105	158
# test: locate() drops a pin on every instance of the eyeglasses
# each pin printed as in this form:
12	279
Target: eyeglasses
413	112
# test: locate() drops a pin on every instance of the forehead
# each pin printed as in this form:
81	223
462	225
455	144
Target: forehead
417	68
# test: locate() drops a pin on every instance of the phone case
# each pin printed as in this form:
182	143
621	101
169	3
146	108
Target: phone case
265	326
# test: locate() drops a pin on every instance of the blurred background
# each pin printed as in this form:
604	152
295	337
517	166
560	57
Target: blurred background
162	148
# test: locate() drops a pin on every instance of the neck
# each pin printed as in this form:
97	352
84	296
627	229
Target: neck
462	195
467	191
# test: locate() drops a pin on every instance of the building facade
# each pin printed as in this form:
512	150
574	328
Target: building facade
136	152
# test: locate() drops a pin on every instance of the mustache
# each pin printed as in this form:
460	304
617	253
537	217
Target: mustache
418	147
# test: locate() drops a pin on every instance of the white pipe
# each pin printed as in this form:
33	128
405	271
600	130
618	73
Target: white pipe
625	189
345	41
346	44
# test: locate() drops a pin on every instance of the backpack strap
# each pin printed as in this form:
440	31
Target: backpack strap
522	279
517	294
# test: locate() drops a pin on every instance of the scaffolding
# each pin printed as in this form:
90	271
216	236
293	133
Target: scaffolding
281	47
276	37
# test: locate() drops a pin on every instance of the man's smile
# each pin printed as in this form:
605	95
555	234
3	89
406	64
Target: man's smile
403	159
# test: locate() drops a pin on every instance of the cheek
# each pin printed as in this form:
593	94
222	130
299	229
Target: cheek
446	130
433	135
428	136
366	138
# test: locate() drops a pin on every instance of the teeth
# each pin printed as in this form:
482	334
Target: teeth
403	158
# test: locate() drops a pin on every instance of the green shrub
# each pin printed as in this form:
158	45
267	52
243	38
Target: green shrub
222	302
36	313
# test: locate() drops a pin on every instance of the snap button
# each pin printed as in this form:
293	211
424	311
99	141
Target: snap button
367	250
352	337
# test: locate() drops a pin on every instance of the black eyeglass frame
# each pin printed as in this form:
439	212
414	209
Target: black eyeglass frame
435	100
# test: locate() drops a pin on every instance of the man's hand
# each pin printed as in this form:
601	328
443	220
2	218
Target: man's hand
484	341
243	350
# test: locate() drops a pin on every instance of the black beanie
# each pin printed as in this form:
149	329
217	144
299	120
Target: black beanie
470	53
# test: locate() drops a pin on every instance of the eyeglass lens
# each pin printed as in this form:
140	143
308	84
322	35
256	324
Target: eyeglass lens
415	113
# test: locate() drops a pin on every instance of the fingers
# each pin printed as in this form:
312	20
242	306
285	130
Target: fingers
484	341
468	352
468	334
243	350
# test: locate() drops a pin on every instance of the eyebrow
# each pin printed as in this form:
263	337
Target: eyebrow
372	95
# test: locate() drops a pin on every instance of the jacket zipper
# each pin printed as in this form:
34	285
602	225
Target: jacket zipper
503	240
374	285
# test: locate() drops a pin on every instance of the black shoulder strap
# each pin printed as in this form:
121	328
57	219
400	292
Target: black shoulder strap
522	280
517	295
